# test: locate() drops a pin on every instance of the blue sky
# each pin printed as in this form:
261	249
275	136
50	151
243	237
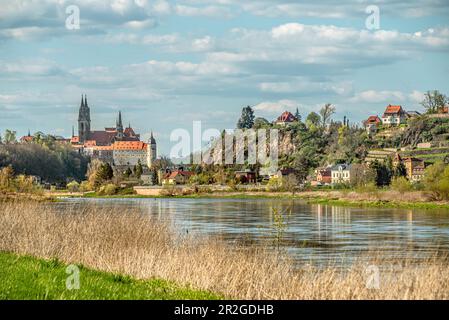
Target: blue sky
168	63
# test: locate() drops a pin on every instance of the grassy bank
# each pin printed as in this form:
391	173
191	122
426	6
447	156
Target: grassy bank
125	241
24	277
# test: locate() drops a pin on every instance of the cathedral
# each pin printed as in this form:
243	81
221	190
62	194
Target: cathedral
117	145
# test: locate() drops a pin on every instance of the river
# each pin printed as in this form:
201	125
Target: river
316	234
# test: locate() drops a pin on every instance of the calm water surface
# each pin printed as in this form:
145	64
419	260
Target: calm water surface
315	233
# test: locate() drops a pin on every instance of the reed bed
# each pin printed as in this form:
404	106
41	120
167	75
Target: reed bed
132	243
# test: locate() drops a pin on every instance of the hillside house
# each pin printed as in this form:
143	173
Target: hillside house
394	116
372	124
285	118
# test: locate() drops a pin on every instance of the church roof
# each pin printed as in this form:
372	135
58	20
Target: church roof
286	116
102	137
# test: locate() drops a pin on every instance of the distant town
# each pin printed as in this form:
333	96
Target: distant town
317	151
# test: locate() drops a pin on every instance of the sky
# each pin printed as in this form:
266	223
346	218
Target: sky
165	64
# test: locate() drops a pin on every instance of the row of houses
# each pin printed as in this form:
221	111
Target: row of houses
344	173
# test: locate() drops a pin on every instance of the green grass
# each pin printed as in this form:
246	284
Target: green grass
24	277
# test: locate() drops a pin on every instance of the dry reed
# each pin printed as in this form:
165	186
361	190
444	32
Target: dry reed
133	243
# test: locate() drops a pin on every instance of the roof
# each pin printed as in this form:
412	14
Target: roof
102	137
286	116
173	174
392	110
343	166
129	132
26	139
373	119
129	145
75	139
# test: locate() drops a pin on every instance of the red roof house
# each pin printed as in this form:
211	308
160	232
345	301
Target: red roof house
285	118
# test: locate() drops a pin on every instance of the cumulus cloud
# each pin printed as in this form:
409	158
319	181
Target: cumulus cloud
385	96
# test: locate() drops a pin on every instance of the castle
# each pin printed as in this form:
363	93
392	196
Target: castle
117	145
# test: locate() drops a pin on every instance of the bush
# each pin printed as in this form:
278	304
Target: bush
73	186
85	186
401	184
108	190
436	180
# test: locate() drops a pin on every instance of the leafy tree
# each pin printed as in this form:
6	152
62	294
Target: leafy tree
10	136
313	119
246	120
434	101
128	172
326	113
383	174
139	170
260	123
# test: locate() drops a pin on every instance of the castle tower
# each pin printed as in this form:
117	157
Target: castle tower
84	120
151	151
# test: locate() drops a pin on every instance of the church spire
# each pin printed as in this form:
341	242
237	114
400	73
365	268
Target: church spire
82	102
85	100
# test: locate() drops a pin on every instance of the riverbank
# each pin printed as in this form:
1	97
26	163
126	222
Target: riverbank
122	240
30	278
350	198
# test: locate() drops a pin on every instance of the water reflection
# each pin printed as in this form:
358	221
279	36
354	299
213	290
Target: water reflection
315	233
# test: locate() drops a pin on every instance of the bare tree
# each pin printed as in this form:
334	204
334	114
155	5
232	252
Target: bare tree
326	113
434	101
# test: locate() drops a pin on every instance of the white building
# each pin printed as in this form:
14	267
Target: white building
341	173
394	115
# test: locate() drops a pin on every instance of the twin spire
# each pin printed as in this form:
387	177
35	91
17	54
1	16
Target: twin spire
84	101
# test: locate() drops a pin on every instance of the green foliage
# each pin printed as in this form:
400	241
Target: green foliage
73	186
85	186
139	170
246	120
313	119
10	136
20	183
52	162
401	184
436	180
108	190
261	123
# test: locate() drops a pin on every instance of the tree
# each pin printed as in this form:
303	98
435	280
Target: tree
313	118
139	170
10	136
246	120
297	115
127	172
434	101
326	113
260	123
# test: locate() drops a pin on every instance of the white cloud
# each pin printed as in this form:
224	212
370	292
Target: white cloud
385	96
276	106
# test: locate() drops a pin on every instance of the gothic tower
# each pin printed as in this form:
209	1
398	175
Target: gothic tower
119	126
84	120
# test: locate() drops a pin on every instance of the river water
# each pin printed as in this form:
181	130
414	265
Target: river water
316	234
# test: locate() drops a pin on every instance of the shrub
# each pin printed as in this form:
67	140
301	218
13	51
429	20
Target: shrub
85	186
401	184
436	180
73	186
108	189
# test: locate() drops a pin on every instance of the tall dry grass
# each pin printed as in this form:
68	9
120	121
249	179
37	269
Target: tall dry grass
132	243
